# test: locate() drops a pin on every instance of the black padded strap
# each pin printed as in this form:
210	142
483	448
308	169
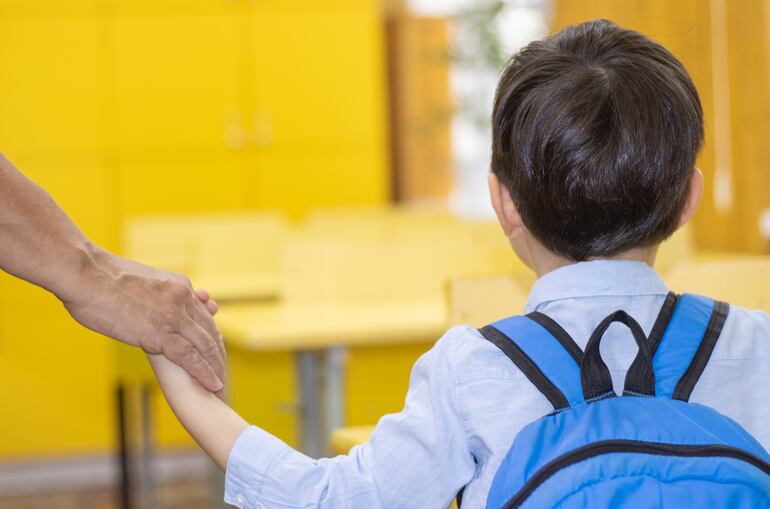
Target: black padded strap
526	365
559	333
594	373
686	384
661	323
656	334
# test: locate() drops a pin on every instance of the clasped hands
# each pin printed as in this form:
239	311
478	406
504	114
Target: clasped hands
153	309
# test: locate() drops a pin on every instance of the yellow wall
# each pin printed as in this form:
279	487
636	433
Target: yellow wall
125	107
724	45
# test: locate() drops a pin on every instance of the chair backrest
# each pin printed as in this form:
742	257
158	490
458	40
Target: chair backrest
379	223
478	300
677	249
163	241
232	254
743	281
328	271
339	271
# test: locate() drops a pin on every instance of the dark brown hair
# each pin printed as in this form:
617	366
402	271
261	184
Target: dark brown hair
595	134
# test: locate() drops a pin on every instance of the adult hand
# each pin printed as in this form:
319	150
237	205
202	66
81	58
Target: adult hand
156	310
133	303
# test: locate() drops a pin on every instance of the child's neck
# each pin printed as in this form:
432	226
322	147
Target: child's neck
543	261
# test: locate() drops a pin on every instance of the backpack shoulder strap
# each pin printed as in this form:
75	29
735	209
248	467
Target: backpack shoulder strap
544	352
682	348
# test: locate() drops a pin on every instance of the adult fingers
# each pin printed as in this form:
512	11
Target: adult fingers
203	317
182	353
206	345
206	299
203	295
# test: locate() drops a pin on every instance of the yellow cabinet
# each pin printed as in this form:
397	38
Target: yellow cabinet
50	8
168	181
51	84
299	6
318	118
319	78
176	81
298	180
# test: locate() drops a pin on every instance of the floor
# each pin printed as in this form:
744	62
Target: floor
179	495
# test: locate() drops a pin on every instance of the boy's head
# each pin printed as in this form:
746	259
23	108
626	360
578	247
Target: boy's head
595	134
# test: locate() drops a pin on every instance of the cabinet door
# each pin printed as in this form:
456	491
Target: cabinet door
50	8
176	80
319	78
170	181
52	83
299	179
56	375
300	6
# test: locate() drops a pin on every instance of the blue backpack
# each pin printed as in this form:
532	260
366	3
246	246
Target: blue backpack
649	447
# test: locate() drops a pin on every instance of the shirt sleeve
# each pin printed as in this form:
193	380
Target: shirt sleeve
416	458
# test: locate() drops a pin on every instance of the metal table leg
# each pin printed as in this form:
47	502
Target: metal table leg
125	488
308	378
333	387
320	380
146	458
135	442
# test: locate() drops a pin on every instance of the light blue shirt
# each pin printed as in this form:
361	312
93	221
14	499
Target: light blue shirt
467	401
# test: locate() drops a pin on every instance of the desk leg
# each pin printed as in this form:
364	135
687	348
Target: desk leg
125	489
308	378
147	456
333	387
135	441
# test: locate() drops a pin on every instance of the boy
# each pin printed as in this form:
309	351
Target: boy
595	135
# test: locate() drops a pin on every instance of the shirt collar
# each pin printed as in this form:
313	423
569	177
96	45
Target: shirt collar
595	278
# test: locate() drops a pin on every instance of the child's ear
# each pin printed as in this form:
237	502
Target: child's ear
693	197
505	208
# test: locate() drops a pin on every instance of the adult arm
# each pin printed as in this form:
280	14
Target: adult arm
128	301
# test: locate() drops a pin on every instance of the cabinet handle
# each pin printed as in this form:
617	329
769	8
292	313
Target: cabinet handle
234	136
263	134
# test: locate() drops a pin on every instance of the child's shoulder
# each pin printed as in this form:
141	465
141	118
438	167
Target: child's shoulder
472	357
746	333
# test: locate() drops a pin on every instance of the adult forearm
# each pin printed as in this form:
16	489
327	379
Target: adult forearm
133	303
38	242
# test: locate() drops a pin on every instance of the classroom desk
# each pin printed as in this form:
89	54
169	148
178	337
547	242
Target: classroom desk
318	336
343	439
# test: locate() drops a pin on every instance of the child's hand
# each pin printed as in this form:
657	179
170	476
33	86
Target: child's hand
210	303
213	424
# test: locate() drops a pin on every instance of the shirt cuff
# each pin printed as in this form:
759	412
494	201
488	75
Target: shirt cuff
253	453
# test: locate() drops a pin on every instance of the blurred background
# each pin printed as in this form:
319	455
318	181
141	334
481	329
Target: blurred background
320	167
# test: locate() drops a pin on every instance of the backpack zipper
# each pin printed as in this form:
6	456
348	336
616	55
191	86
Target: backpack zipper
630	446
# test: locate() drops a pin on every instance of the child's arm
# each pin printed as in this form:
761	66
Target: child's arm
417	458
213	424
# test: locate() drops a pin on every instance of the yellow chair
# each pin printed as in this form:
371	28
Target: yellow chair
478	301
234	255
743	281
376	223
678	248
239	256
